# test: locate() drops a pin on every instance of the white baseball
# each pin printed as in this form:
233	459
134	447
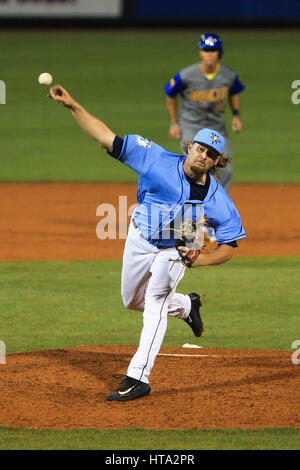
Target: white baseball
45	78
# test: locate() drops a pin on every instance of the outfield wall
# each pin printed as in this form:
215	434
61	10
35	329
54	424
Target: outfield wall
61	8
218	9
168	13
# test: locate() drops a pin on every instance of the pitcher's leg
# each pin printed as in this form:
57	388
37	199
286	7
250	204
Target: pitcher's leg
162	285
137	260
179	306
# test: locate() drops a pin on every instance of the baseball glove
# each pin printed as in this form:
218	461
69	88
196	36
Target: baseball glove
187	237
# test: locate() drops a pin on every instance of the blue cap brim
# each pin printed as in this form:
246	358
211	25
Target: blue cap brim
207	145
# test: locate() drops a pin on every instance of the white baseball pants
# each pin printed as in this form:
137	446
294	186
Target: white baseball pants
149	281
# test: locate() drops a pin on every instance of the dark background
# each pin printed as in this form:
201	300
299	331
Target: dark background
177	13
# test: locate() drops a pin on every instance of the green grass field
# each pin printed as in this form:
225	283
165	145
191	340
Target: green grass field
141	439
119	76
65	304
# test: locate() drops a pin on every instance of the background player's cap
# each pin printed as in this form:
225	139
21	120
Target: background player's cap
211	138
211	41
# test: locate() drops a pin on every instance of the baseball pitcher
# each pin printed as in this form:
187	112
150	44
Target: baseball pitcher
179	200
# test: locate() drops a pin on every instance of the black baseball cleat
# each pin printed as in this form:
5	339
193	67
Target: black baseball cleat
194	319
129	389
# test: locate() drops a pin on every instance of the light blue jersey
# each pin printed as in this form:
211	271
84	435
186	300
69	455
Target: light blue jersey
164	195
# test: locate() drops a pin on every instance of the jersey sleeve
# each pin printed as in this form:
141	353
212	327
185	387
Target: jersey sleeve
236	87
174	86
139	153
117	147
231	228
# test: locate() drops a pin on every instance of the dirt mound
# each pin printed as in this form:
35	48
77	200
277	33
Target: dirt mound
191	388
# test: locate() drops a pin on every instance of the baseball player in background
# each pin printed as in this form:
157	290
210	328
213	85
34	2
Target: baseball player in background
152	265
204	89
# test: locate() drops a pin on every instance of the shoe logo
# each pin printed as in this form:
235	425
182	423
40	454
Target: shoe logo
126	391
189	319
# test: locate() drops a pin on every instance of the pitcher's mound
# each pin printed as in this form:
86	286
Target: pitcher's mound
191	388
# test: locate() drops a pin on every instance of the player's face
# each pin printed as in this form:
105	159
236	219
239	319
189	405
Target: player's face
209	57
201	158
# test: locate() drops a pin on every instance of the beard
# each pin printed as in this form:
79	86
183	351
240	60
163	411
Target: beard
198	170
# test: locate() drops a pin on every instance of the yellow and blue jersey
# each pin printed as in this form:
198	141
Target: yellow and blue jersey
203	97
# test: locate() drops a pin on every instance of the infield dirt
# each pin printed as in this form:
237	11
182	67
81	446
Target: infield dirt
57	221
66	389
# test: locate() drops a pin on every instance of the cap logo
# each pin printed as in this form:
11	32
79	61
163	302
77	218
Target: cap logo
210	41
214	138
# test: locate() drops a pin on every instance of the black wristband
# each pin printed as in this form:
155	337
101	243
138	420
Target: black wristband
235	112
